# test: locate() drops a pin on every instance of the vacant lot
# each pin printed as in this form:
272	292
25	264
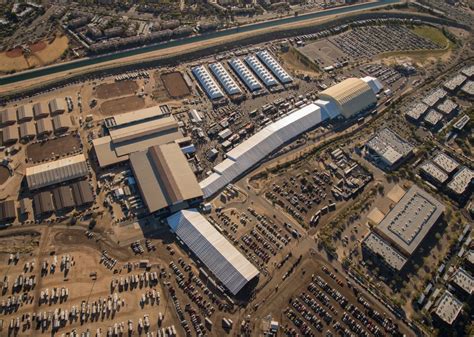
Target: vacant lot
175	84
53	147
4	174
116	89
121	105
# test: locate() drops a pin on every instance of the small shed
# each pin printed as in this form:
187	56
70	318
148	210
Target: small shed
10	134
44	126
62	123
57	106
24	113
7	117
40	111
27	130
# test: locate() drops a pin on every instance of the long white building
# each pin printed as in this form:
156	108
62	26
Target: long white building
245	74
225	79
227	264
262	72
207	82
260	145
274	66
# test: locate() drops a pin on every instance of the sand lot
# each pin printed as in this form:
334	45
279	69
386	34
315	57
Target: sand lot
53	147
116	89
121	105
42	53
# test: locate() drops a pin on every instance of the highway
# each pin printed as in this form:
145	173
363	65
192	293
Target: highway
84	62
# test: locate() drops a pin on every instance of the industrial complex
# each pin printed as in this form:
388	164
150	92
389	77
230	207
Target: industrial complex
310	175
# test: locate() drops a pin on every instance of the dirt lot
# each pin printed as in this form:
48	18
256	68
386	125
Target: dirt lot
53	147
175	84
4	174
116	89
121	105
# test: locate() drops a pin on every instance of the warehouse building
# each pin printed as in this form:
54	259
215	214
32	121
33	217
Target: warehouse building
454	83
225	79
10	134
44	127
461	184
401	232
352	96
258	147
83	194
224	261
463	281
448	108
275	67
40	111
165	180
43	203
24	113
61	123
416	112
121	142
63	199
56	172
262	72
433	173
56	106
388	150
373	83
207	83
410	220
445	162
7	210
433	119
7	117
134	117
245	75
435	97
448	308
27	130
376	247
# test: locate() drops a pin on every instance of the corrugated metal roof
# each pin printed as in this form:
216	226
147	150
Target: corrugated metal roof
351	95
212	248
57	171
164	176
7	210
63	197
82	192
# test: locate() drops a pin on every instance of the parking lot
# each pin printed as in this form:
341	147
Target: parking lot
313	191
323	302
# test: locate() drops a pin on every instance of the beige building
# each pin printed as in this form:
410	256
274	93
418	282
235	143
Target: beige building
351	96
165	179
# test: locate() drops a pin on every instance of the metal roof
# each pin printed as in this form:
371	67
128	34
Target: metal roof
212	248
62	122
57	171
351	95
7	210
262	72
410	220
225	79
260	145
7	116
25	112
56	106
164	176
44	125
62	196
27	129
207	82
10	133
82	192
39	110
274	66
134	117
245	74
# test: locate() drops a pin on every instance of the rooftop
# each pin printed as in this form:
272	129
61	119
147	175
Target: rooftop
468	71
445	162
134	117
468	88
389	145
417	110
434	97
383	249
461	181
410	220
448	307
447	107
433	117
434	172
455	82
164	176
464	280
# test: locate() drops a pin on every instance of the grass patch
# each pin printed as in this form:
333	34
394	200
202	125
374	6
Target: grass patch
433	34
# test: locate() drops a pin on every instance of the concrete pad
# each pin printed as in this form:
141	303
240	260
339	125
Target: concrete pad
396	193
375	216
